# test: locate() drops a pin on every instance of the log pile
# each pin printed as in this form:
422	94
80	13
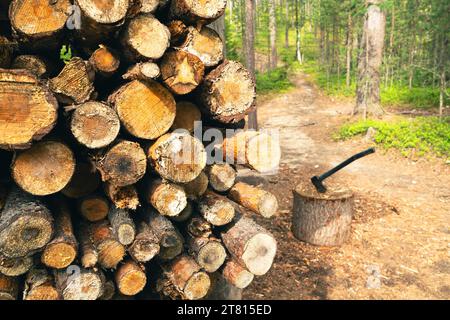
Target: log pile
111	192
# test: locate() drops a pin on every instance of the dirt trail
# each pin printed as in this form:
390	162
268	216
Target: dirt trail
400	244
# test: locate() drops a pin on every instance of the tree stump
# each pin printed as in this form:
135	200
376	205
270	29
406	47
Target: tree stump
322	219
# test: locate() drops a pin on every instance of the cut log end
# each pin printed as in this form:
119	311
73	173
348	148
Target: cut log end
178	157
187	115
169	199
28	111
110	253
228	92
59	255
209	255
124	164
146	109
31	63
197	11
123	197
181	71
104	61
146	38
254	199
94	208
94	125
44	169
104	12
205	44
216	209
14	267
130	278
237	275
76	283
9	287
221	177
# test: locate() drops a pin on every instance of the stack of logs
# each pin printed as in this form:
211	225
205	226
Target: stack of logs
97	203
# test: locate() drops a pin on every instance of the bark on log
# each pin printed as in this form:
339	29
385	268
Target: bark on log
144	71
14	267
93	208
186	275
85	181
206	44
26	225
197	187
221	289
100	19
88	252
216	209
130	278
145	246
39	23
44	169
6	52
109	290
181	71
122	197
209	253
197	12
228	93
76	283
170	240
250	245
145	38
32	63
123	164
104	61
61	251
146	109
198	227
28	111
178	157
122	225
9	287
110	251
94	125
257	150
40	285
74	84
221	177
186	115
236	274
255	199
167	198
322	219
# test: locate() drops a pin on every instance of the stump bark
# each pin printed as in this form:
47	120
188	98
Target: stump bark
322	219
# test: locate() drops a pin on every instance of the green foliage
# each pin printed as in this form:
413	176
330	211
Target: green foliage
421	98
65	54
420	135
275	81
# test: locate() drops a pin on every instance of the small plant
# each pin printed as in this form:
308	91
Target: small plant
65	54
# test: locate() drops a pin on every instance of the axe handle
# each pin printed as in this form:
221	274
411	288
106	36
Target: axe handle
346	163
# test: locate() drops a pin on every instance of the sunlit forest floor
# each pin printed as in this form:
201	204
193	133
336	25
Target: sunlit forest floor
399	247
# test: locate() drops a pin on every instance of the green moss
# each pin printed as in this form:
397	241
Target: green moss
422	135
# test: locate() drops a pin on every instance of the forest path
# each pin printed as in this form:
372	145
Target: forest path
400	244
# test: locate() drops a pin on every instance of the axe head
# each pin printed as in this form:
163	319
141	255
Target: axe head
318	184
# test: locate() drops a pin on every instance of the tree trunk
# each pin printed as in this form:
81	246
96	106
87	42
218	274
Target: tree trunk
249	52
28	111
273	35
287	21
369	62
349	47
322	219
298	53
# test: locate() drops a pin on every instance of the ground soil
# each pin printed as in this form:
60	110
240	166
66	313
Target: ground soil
400	242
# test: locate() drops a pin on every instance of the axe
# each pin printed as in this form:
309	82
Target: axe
317	180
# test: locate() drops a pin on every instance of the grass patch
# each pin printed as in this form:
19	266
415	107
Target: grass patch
274	81
419	136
